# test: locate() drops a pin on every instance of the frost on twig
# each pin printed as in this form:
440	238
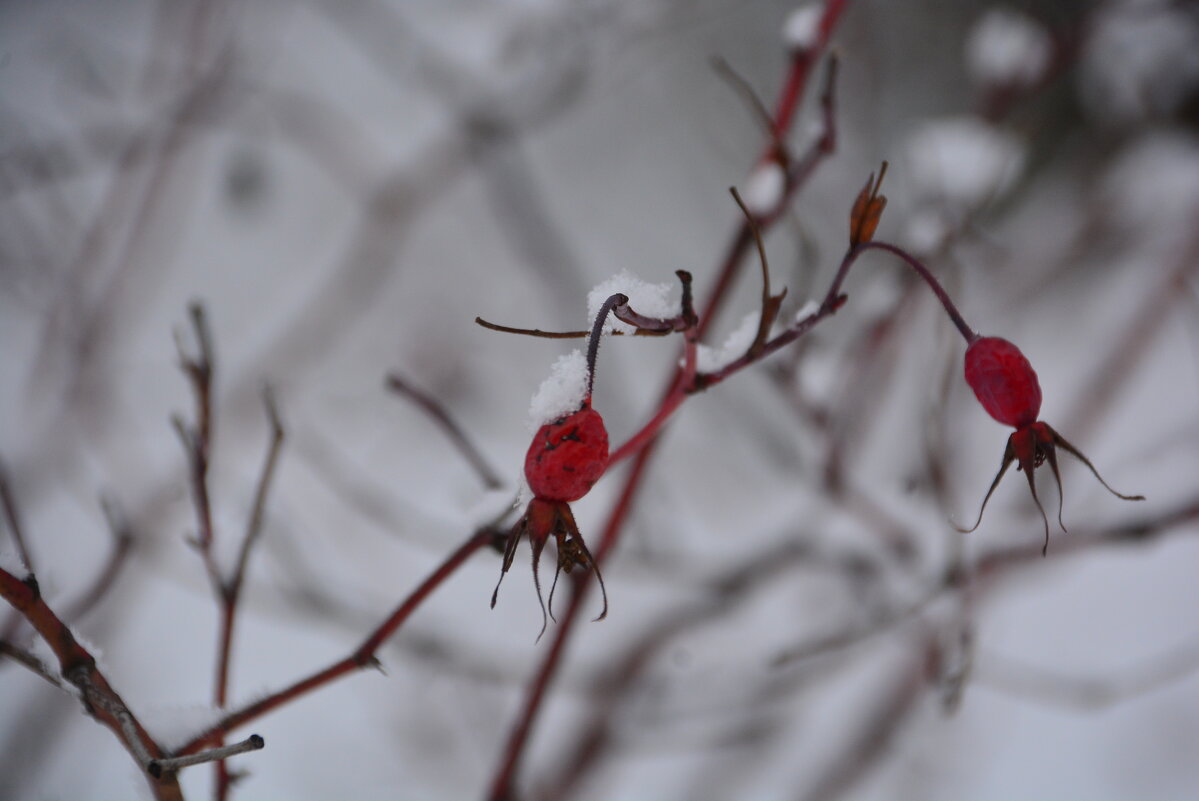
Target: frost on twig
712	359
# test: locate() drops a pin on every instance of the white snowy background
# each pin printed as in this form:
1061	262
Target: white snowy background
346	185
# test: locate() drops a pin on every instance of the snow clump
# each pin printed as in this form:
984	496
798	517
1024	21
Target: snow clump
802	27
764	189
963	161
562	393
650	300
1006	48
709	359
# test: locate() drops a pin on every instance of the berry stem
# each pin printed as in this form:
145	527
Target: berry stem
597	330
852	256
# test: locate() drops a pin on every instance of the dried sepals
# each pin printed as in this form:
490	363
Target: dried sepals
867	210
544	519
1007	387
1029	447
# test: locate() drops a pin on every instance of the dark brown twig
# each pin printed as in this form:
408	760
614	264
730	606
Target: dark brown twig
454	432
12	516
118	554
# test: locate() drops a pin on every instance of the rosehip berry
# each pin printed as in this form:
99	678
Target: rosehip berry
1003	380
567	456
1006	386
565	459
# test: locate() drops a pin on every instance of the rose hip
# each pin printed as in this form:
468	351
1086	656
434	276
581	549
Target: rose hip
567	456
1007	387
1003	380
565	459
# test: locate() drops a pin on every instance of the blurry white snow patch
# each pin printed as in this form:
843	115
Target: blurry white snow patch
709	359
807	310
962	160
802	27
1006	48
1154	184
11	561
819	374
926	231
173	726
763	189
561	393
650	300
92	649
1141	60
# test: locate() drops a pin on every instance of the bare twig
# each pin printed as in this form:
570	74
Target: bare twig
12	516
362	657
1087	693
258	510
30	661
454	432
157	767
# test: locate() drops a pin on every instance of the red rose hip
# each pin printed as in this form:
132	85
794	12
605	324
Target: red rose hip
1004	381
567	456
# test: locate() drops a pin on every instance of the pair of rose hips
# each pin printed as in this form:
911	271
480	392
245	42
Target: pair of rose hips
1006	386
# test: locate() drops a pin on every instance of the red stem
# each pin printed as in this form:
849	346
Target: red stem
501	787
789	101
78	667
363	656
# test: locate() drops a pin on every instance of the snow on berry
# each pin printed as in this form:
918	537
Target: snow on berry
562	392
649	300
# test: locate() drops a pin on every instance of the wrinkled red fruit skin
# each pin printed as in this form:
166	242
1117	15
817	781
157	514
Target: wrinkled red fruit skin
1003	381
567	456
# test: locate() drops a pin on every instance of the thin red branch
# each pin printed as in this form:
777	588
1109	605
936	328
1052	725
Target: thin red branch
78	667
502	785
454	432
363	656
